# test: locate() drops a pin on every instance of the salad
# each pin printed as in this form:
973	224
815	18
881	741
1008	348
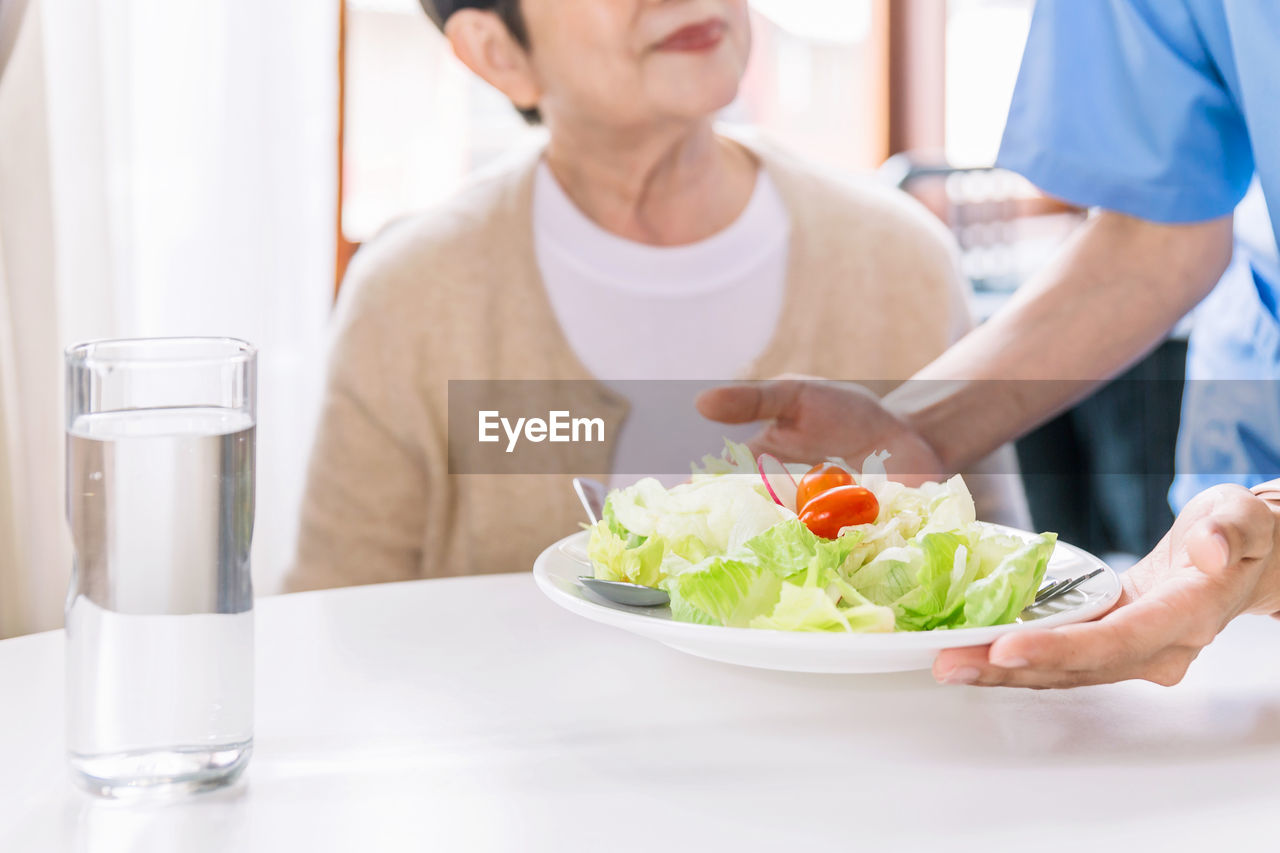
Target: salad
753	543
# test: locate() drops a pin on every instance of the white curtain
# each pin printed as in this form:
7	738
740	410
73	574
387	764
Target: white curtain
190	189
32	543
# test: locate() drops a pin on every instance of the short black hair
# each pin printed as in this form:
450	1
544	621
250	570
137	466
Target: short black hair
508	11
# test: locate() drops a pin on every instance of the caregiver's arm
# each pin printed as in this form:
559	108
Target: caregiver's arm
1111	295
1115	291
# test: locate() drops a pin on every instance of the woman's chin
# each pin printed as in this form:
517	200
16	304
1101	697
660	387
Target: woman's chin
698	101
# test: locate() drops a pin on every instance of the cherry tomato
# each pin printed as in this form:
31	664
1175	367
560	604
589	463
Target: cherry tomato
828	513
819	479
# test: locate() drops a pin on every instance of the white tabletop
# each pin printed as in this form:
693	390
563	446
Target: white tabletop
472	714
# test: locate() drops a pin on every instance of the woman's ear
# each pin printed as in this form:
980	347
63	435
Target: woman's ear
486	46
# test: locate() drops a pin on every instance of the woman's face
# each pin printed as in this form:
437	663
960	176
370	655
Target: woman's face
635	62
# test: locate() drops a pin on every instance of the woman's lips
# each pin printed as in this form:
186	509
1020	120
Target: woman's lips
695	37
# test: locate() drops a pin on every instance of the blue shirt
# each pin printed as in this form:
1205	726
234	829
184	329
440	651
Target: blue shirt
1166	110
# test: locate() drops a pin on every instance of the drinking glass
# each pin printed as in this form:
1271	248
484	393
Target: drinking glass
159	618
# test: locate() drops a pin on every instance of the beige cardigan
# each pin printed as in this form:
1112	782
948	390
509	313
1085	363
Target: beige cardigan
455	293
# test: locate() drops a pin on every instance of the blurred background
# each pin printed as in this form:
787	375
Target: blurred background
171	167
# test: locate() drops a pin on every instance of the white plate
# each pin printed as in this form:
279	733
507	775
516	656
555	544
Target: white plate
557	574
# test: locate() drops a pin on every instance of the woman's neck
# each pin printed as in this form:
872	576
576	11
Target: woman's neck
669	187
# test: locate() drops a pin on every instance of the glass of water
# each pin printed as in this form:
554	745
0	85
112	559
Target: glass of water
160	500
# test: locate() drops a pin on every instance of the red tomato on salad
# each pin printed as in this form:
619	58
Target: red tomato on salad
829	512
819	479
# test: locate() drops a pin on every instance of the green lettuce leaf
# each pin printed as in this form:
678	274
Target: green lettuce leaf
734	459
891	575
938	592
784	578
804	608
990	549
613	560
720	512
970	577
998	598
723	591
789	548
610	518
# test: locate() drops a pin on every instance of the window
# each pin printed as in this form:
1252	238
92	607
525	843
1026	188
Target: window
417	121
984	49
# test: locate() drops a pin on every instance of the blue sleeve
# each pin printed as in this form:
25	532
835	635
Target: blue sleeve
1120	106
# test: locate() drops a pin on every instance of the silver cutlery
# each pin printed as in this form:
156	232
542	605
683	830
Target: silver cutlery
591	493
1056	589
630	594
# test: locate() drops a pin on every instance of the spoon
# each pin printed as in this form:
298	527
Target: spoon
630	594
591	494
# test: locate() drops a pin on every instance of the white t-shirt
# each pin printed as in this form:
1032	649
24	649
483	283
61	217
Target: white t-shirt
631	311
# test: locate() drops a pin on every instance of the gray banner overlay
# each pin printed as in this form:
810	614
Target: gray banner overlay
651	428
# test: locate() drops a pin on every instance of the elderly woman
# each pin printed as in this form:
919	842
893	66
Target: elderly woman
637	223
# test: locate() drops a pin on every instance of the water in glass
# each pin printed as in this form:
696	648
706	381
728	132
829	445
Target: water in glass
159	617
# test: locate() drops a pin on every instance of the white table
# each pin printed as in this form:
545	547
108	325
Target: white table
472	714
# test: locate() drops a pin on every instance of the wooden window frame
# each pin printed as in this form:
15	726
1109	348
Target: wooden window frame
915	59
345	248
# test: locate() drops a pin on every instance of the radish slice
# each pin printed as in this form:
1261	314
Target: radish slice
777	480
